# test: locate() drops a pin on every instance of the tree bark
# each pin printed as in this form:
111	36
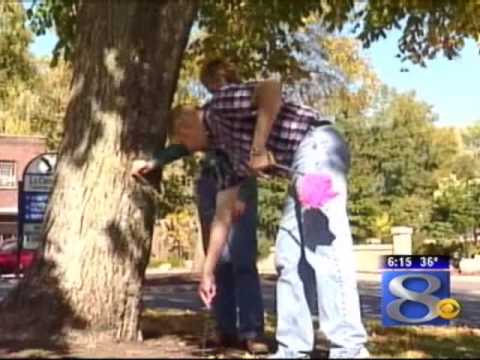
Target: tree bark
98	228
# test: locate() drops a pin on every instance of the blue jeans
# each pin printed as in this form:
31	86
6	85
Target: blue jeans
237	279
317	265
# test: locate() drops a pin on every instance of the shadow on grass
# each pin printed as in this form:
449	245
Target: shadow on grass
424	342
192	330
32	349
180	333
35	314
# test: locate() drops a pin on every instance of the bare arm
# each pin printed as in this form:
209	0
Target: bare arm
220	227
268	99
218	237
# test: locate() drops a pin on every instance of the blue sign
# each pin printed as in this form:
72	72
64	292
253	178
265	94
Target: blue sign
34	193
34	206
413	297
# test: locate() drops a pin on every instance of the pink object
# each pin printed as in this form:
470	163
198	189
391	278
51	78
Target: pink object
315	190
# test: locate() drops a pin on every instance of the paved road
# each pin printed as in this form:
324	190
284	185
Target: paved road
465	290
184	297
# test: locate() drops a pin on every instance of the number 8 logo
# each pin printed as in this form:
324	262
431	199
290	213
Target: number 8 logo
396	288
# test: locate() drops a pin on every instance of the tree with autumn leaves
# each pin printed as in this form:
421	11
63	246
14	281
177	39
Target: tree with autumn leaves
126	57
33	95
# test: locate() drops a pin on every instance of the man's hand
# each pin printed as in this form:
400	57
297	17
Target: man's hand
261	161
207	289
143	167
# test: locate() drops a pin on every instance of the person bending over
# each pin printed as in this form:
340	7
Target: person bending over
256	128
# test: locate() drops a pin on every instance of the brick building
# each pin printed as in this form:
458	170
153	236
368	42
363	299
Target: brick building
15	153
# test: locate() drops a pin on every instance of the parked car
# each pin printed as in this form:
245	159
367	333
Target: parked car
9	255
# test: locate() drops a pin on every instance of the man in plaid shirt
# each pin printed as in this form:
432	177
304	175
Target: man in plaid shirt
230	119
256	128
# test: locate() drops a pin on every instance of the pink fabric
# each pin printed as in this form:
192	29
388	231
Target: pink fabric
315	190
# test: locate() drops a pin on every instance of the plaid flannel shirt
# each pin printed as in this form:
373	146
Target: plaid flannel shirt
230	118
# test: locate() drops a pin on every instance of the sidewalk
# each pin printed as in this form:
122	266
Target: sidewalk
362	276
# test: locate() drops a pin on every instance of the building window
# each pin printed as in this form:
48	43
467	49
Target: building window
8	179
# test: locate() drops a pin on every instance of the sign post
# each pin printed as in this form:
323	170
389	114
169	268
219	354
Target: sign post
34	193
19	228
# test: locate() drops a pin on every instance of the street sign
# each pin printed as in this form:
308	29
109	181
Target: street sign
34	206
38	182
34	193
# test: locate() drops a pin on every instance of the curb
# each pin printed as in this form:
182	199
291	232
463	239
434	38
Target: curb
361	275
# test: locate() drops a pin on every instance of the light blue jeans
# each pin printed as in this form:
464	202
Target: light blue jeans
239	295
319	267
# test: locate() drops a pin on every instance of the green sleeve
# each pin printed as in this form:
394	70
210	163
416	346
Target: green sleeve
170	154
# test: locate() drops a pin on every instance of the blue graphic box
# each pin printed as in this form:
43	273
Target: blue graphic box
409	297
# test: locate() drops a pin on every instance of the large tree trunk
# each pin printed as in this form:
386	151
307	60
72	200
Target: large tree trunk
98	228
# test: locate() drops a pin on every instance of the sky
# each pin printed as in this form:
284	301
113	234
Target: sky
450	86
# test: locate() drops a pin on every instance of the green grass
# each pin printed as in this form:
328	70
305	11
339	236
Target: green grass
412	342
174	261
154	263
424	342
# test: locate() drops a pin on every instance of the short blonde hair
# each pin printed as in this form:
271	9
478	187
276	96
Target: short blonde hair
178	116
211	68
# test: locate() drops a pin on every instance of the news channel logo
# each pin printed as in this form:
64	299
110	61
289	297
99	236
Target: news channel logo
416	291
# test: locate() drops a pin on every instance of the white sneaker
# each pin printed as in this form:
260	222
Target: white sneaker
288	355
361	353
